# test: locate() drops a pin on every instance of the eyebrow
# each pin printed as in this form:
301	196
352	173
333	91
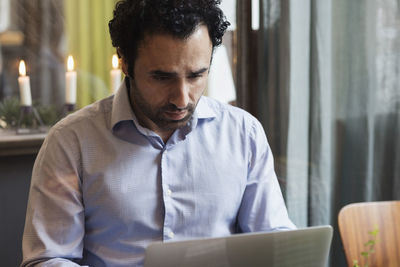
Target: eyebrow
174	74
200	71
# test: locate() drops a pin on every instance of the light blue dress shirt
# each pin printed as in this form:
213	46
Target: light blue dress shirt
103	187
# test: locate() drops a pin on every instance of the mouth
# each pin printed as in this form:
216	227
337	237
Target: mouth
176	115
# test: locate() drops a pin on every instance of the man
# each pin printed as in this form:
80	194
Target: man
157	161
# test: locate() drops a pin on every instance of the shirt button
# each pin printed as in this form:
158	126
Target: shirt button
169	192
171	234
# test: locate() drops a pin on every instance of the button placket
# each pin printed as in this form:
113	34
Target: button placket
167	193
171	235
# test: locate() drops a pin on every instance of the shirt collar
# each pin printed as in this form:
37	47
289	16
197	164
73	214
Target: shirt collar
121	108
203	110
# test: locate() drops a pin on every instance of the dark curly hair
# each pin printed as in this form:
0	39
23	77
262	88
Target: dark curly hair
133	19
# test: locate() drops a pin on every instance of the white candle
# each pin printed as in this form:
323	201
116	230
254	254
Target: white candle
70	85
115	75
24	86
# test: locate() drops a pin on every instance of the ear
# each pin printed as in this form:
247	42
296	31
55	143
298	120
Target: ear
124	66
123	62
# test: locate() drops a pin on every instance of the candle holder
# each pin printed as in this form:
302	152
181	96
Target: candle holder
68	108
30	114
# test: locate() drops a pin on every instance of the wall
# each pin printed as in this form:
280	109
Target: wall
15	174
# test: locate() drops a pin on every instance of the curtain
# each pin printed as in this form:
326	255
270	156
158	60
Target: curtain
41	22
54	29
90	44
327	91
4	15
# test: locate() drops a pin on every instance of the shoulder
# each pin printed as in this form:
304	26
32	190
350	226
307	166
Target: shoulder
94	115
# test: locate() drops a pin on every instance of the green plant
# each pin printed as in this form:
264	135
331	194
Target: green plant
370	244
48	114
9	112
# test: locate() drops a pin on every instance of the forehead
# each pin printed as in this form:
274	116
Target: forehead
164	50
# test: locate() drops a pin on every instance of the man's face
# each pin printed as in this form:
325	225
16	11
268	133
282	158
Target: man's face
170	75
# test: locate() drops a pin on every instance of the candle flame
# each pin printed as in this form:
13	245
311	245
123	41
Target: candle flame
22	68
70	63
115	61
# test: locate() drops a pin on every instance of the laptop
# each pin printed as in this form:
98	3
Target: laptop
307	247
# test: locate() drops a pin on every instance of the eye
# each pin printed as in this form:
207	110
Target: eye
195	76
160	77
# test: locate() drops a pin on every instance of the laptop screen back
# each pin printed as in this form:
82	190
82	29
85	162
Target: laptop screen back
308	247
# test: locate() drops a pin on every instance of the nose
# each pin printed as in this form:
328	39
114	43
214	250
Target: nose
180	94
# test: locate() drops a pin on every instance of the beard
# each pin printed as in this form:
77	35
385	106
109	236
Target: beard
157	114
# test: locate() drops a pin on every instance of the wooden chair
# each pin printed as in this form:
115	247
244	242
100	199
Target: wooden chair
358	219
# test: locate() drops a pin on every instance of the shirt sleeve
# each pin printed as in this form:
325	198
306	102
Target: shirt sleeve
263	207
54	225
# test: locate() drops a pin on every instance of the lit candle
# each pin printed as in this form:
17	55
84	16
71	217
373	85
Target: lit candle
70	86
115	75
24	86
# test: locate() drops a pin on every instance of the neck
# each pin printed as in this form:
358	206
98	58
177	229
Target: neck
165	135
146	122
